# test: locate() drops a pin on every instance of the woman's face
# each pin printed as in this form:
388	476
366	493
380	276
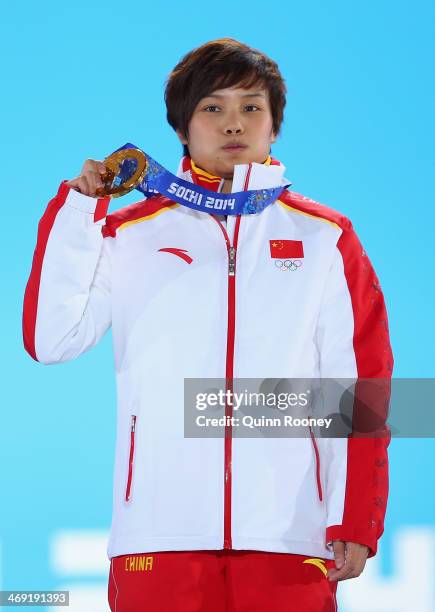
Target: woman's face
232	116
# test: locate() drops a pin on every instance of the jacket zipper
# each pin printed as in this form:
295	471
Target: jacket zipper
131	457
229	368
229	374
317	456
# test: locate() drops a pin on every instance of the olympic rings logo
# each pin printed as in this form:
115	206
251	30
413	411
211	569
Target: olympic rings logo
288	264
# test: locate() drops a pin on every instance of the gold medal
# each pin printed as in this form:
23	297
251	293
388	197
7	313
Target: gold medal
125	170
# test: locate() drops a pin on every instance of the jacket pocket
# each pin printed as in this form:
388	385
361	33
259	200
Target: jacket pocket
130	457
317	457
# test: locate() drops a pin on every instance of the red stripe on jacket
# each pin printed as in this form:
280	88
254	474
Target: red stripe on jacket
367	460
367	463
31	294
134	212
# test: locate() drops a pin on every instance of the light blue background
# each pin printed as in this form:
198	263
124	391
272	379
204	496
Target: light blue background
80	80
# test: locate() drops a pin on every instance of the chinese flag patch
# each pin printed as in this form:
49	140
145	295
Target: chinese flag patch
286	248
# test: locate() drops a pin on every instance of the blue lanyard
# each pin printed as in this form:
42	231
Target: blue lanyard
159	180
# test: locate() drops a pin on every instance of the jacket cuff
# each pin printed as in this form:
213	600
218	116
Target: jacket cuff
87	204
350	534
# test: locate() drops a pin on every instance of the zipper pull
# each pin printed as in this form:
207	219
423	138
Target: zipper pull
232	261
133	422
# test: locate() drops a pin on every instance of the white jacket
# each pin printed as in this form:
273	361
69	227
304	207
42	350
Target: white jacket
158	273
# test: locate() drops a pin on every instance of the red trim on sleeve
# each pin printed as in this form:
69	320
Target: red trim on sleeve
371	339
367	460
31	294
30	305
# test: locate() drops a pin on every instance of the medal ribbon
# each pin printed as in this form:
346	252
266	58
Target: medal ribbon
159	180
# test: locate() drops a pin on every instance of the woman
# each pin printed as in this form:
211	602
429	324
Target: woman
220	523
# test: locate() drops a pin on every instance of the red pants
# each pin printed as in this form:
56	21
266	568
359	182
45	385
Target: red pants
220	581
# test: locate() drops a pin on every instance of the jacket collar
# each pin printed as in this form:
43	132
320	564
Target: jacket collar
246	176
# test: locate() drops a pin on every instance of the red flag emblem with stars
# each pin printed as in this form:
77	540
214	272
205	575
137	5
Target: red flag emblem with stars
281	249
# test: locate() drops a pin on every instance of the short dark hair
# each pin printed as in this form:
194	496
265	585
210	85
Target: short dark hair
218	64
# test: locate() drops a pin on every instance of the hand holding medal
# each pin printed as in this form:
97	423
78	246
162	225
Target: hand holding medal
126	168
115	176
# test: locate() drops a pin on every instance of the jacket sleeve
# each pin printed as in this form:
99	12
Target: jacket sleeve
67	306
353	342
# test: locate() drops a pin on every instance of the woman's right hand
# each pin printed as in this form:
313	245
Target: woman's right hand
89	181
